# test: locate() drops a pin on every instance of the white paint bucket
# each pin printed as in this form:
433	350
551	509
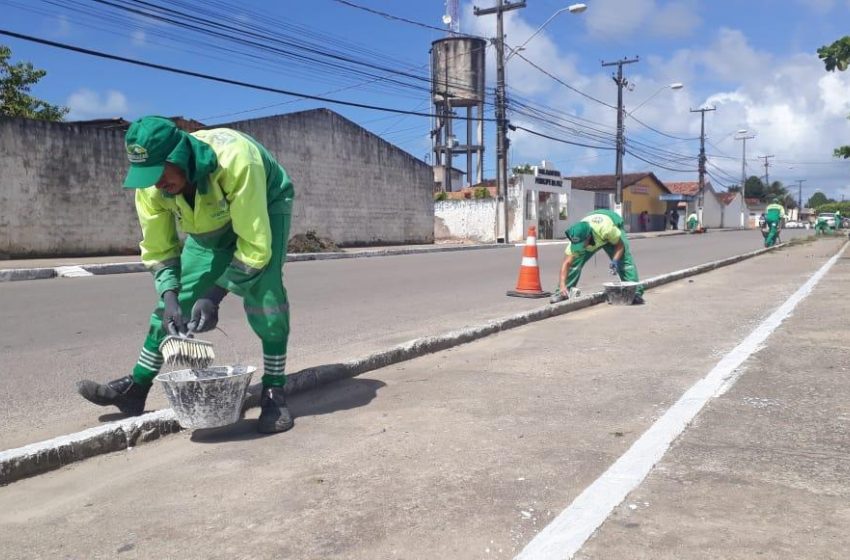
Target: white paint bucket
209	397
620	293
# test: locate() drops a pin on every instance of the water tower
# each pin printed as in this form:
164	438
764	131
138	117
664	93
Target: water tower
457	91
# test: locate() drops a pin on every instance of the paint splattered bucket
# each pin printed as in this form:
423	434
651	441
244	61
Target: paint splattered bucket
209	397
620	293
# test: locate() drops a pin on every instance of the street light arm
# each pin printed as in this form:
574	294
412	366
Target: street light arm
647	100
575	8
539	29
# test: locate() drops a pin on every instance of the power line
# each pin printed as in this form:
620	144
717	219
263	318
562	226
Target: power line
561	140
219	79
399	18
563	83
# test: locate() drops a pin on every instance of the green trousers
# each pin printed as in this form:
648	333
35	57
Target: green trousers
266	304
772	233
627	272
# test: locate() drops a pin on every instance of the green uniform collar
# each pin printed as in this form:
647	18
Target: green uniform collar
197	160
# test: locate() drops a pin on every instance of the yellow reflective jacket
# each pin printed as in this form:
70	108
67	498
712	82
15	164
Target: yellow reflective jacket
247	186
604	230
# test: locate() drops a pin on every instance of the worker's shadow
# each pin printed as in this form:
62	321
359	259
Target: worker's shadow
308	400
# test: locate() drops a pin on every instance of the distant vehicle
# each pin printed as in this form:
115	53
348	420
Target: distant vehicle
793	225
829	217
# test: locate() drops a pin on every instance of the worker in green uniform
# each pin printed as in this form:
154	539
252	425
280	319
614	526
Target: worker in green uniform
821	226
602	229
773	216
838	223
693	222
233	201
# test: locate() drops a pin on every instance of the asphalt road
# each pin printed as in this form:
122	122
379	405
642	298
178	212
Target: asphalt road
55	332
478	451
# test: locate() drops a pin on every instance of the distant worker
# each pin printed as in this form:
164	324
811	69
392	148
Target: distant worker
821	226
233	201
838	224
693	222
602	229
773	216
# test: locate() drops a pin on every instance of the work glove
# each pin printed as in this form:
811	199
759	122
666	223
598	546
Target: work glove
205	310
172	316
615	267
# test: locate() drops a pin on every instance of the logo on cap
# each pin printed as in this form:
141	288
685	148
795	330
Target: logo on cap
137	153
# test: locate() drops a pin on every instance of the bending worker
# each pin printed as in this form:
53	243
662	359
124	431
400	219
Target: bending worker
693	222
774	214
234	202
602	229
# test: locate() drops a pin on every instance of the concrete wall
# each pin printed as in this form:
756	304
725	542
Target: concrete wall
473	219
61	195
581	203
350	185
60	191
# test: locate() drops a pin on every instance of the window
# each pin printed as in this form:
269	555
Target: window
601	200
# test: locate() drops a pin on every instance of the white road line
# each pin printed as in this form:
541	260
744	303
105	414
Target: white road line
568	532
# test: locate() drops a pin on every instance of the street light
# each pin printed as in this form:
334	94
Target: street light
674	86
742	135
572	8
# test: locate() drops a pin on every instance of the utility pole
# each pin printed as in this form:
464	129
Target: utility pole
744	178
501	119
799	197
766	175
621	142
701	160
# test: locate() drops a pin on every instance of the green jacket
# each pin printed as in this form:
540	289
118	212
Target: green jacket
774	212
230	213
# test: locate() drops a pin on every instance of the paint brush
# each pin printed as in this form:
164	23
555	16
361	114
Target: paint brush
187	351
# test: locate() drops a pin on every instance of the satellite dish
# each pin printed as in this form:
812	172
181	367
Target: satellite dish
447	19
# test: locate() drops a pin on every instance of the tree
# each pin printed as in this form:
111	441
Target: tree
755	188
16	80
818	199
775	190
837	57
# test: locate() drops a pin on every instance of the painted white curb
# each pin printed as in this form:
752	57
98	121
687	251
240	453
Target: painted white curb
38	458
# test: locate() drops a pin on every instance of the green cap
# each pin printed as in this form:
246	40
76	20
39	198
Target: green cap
149	141
578	232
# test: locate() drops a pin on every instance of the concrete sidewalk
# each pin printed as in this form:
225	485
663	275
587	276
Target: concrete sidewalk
73	267
470	452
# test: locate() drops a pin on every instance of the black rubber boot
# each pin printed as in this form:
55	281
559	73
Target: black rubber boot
124	393
274	416
638	300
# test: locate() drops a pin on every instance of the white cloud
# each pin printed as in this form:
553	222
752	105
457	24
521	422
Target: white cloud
63	26
139	37
87	104
796	109
618	20
676	19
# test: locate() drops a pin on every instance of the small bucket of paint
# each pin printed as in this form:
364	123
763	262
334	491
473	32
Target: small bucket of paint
207	398
620	293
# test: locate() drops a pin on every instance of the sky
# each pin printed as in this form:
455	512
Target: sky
755	61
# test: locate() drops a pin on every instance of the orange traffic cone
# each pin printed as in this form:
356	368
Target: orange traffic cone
528	284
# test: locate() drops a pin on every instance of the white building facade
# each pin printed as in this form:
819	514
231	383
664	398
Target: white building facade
540	197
